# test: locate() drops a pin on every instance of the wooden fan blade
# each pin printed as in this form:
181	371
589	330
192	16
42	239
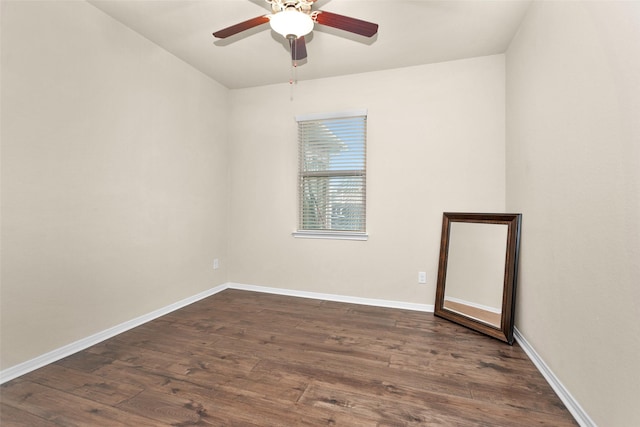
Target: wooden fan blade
353	25
242	26
298	49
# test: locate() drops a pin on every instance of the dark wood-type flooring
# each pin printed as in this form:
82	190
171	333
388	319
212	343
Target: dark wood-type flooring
251	359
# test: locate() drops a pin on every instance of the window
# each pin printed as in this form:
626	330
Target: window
332	175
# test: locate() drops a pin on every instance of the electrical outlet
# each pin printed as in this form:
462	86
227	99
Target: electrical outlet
422	277
216	264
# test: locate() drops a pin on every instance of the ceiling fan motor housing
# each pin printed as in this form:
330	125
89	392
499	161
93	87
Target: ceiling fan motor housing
303	6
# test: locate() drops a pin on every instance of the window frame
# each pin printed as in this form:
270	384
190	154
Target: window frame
331	234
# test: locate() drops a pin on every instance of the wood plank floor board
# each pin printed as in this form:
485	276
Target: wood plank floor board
196	367
181	359
211	405
263	334
171	408
377	382
85	362
517	396
20	418
425	408
243	358
63	408
471	366
393	407
85	385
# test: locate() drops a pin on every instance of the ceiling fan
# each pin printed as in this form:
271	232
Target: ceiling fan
294	19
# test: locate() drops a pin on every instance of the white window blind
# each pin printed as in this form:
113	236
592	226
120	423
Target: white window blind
332	173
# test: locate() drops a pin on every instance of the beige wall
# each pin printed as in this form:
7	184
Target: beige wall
114	177
435	143
573	170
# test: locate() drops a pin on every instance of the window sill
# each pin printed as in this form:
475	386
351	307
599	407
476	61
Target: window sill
335	235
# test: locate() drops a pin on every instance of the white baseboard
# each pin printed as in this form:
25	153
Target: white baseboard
69	349
333	297
569	401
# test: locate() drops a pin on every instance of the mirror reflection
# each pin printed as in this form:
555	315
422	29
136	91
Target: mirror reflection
475	270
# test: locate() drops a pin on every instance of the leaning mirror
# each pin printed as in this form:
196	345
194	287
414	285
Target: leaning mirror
478	271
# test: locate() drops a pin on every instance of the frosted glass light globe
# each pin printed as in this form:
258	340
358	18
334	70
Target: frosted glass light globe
291	22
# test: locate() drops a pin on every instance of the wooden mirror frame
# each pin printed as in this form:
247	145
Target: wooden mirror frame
513	221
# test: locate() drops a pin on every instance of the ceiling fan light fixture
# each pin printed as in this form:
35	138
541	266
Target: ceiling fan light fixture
291	22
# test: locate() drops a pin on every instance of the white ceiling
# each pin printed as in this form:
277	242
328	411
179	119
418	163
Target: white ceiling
410	33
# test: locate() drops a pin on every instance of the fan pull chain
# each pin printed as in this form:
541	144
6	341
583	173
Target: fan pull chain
294	78
294	73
